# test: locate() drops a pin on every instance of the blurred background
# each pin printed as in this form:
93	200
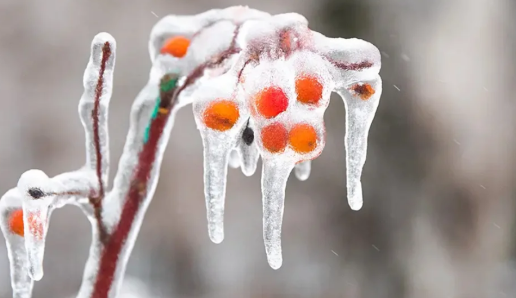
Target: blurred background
439	182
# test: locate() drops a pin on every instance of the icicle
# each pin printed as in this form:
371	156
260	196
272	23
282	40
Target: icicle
220	118
249	156
302	170
274	182
37	198
361	101
13	230
216	157
234	159
248	151
35	220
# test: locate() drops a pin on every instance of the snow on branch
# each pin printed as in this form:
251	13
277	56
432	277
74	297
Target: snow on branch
259	85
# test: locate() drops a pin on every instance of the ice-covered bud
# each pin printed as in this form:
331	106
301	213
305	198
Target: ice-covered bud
35	184
275	37
38	194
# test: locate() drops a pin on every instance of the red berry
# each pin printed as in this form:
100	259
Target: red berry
274	137
271	102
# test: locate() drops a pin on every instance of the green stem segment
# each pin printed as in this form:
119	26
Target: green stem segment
168	84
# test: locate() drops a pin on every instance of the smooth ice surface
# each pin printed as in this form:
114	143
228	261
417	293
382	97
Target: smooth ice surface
234	159
274	181
359	116
302	170
249	156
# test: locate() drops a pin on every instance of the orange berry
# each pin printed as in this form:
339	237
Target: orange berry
16	222
274	137
221	115
365	91
303	138
271	102
176	46
309	89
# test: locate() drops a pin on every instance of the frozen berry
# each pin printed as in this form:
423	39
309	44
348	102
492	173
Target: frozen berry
274	137
221	115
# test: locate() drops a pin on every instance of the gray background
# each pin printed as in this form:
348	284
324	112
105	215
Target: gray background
438	219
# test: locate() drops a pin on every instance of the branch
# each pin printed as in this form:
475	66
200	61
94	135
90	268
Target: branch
93	110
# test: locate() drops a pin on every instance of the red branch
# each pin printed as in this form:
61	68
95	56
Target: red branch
134	197
96	201
217	60
352	66
106	53
138	189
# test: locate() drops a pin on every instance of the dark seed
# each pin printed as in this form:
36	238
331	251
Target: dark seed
248	136
36	193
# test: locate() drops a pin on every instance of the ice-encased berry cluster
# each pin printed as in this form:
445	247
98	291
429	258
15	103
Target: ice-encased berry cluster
269	100
259	85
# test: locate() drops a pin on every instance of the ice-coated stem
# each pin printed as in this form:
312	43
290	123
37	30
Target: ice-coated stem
359	116
93	111
275	174
134	185
94	103
302	170
216	159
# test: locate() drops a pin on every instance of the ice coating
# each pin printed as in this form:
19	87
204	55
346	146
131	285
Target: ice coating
285	74
288	131
274	182
234	159
360	112
35	197
355	65
306	66
10	206
259	85
302	170
26	209
94	102
190	26
248	152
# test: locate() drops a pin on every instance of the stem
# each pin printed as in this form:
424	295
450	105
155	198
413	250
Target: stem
106	53
114	253
110	257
